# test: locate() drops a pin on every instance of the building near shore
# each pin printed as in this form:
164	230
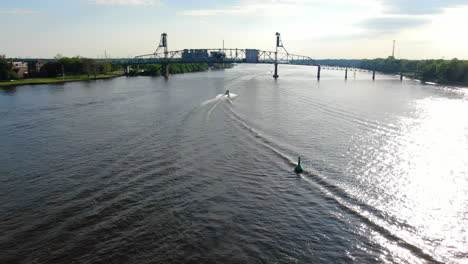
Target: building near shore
20	67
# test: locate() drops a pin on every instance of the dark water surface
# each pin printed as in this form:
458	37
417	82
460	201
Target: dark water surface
148	170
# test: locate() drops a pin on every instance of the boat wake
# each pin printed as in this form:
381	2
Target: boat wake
220	98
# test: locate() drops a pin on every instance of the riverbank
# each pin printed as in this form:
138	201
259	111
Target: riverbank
75	78
453	84
148	70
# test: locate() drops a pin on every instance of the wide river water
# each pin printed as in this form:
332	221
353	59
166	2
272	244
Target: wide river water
149	170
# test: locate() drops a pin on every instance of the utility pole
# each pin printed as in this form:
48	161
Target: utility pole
393	50
63	71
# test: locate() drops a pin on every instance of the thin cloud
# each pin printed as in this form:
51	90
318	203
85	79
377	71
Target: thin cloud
345	37
125	2
420	7
257	8
232	11
394	7
389	25
19	12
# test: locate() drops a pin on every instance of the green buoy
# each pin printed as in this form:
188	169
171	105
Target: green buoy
298	168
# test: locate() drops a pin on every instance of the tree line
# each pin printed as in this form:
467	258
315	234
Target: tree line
157	69
85	66
77	66
60	67
443	71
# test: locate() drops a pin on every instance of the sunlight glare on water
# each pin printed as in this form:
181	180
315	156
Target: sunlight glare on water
422	175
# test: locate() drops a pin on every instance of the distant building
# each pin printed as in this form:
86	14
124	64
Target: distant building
251	55
20	67
194	54
19	64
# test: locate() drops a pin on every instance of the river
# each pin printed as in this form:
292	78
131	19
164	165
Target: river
149	170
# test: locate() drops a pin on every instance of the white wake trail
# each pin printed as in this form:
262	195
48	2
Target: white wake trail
216	101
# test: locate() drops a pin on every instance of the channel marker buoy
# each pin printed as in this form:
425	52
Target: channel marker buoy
298	168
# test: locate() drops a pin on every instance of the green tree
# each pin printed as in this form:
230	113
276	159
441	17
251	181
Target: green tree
53	69
455	70
71	65
154	70
6	69
87	66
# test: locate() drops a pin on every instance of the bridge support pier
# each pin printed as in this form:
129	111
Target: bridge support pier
165	70
318	72
276	71
127	69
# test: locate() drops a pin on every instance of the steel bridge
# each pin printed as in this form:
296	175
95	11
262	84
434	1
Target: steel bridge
165	57
220	56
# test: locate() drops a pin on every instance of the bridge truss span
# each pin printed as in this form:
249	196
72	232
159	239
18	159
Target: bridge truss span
231	55
212	55
222	56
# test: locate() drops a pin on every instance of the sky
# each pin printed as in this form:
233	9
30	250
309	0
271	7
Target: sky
321	29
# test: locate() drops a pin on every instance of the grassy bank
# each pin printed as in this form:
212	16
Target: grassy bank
59	79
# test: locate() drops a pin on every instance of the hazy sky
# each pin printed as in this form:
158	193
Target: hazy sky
317	28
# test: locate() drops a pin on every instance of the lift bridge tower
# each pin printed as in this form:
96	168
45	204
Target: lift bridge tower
279	47
162	45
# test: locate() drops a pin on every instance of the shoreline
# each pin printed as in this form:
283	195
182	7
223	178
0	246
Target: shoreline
37	81
435	83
